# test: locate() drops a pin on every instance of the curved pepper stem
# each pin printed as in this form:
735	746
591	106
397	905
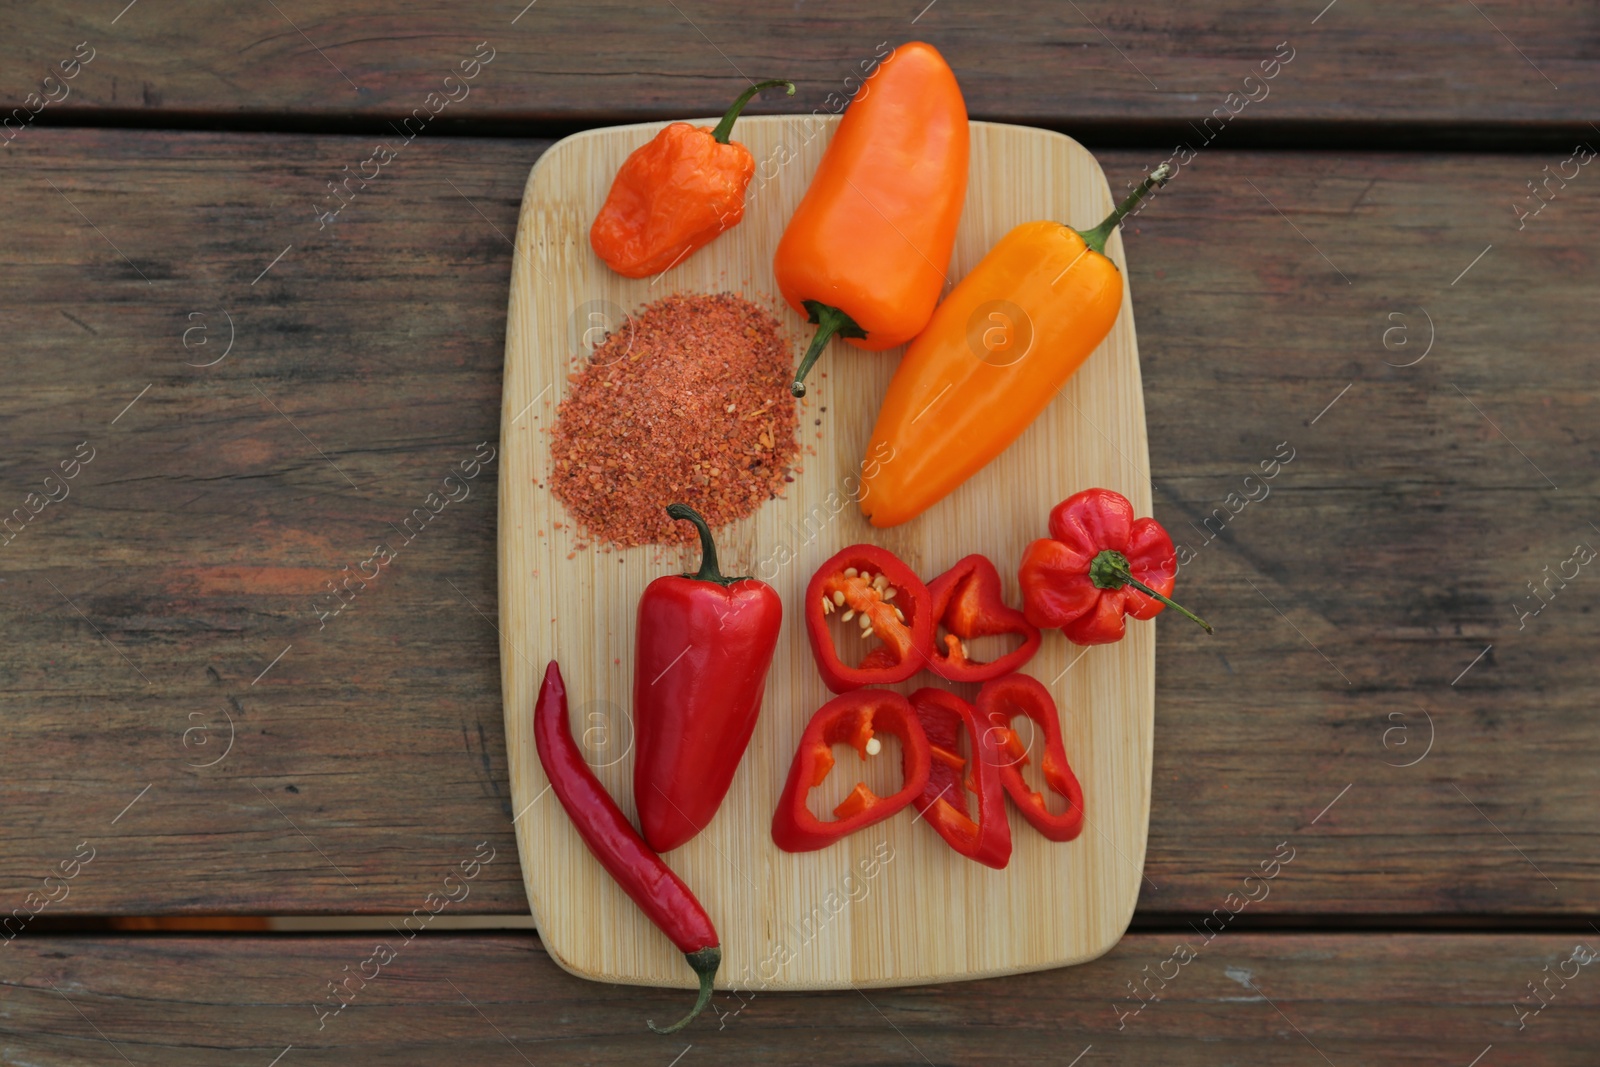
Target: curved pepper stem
829	320
725	128
705	963
1109	570
1097	237
708	571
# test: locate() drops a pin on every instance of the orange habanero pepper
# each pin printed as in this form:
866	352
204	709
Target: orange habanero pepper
866	252
976	377
675	194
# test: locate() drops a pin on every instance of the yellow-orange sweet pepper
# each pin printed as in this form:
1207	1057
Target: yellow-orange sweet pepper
996	352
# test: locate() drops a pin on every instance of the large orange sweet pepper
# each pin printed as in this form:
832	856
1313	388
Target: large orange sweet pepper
866	253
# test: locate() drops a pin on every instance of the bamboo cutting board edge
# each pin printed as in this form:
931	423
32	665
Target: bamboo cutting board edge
545	835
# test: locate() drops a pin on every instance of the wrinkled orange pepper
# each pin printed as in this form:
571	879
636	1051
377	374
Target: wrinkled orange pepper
675	194
865	254
995	353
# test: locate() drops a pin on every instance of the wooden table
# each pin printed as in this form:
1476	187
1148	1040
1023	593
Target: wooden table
248	395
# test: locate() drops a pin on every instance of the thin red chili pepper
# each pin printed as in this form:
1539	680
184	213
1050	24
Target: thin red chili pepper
641	873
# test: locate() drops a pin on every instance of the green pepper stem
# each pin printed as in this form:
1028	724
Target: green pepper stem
725	128
1109	570
708	571
1097	237
829	320
705	963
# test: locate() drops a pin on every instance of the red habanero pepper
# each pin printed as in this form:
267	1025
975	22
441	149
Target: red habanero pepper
660	893
966	603
869	583
702	647
850	719
943	802
1097	565
999	702
675	194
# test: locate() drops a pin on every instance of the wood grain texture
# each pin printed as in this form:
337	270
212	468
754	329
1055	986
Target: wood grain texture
199	541
1039	62
195	542
565	599
498	999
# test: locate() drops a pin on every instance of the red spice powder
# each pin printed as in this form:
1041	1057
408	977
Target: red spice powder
688	402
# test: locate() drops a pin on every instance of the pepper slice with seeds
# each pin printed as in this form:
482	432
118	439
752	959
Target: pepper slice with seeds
888	604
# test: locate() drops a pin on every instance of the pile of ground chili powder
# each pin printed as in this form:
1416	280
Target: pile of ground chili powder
688	402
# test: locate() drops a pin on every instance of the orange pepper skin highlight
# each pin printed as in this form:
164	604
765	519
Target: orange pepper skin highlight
994	355
874	233
674	195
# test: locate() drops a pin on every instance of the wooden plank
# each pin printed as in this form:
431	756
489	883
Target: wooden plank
197	539
1094	66
562	598
499	999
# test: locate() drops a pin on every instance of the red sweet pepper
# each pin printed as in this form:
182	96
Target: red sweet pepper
613	841
965	602
703	645
1097	565
869	584
851	719
999	702
943	802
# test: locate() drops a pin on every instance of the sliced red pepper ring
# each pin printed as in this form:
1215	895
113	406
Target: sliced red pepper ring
965	601
999	702
853	719
869	586
943	801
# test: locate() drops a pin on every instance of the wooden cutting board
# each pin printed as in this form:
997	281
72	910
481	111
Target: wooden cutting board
892	905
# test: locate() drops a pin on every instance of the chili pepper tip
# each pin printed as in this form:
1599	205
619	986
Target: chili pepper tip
705	962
